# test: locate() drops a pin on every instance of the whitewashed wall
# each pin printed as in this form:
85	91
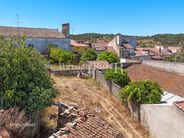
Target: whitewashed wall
41	43
163	120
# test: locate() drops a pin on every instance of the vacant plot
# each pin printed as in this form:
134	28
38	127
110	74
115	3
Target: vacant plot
91	96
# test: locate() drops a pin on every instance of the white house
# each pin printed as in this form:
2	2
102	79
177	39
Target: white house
40	38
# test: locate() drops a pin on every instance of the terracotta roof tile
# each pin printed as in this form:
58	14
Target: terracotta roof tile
92	127
128	46
30	32
180	105
74	43
170	82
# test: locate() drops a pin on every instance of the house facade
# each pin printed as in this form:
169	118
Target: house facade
169	49
124	45
40	38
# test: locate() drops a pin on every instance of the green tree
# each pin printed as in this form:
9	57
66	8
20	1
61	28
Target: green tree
89	55
118	76
24	79
110	57
143	92
61	56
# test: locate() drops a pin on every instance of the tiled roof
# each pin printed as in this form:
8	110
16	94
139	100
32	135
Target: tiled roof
111	49
30	32
91	127
139	52
76	123
153	50
180	105
99	44
100	48
74	43
98	64
128	46
170	82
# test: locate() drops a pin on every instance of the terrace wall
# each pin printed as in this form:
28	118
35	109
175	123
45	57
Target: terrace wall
108	85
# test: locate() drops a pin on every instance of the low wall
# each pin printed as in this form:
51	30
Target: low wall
174	67
163	120
67	72
108	85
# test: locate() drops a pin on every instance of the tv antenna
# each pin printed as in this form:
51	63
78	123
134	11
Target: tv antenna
18	24
72	30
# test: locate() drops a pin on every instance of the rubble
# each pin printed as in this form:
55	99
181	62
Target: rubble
76	123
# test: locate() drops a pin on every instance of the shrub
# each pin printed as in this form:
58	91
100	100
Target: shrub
61	56
89	55
109	57
50	46
143	92
118	76
24	79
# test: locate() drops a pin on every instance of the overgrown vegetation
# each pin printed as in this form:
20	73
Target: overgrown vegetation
108	56
118	76
60	56
89	55
24	79
143	92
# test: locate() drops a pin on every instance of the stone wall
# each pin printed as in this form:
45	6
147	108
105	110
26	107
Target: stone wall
68	72
41	43
173	67
108	85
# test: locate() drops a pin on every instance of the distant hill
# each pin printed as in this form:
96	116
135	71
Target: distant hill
143	41
161	39
93	37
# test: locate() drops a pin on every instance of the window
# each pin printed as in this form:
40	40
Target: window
30	45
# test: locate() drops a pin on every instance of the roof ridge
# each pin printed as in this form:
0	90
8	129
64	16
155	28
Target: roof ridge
29	27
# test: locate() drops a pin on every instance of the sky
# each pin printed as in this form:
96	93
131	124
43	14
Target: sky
130	17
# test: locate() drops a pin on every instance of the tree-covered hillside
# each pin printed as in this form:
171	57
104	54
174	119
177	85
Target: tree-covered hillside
170	39
93	37
143	41
161	39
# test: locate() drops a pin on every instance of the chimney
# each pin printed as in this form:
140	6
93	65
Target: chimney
160	50
119	39
66	30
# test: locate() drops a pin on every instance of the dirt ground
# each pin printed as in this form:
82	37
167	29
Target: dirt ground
89	95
